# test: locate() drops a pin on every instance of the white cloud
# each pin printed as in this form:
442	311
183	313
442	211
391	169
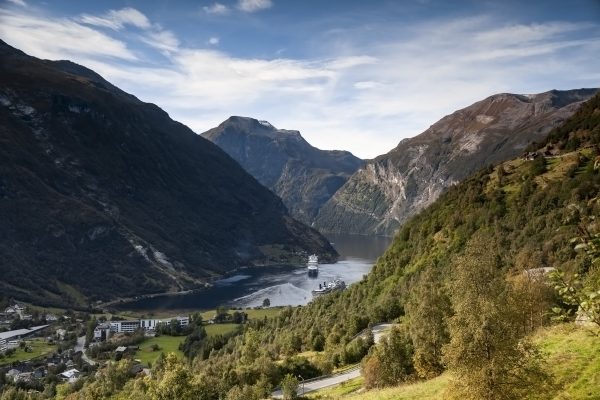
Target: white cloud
367	85
216	8
253	5
117	19
20	3
359	98
59	38
162	40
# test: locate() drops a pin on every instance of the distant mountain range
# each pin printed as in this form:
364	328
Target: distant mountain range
104	196
302	175
388	190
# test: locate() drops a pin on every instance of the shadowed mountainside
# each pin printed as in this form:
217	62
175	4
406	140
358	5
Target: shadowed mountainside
103	195
302	175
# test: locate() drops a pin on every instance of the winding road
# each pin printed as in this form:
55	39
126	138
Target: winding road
332	380
80	346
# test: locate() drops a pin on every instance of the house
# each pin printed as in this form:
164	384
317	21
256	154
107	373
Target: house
136	369
39	373
102	332
70	375
12	374
60	334
51	318
24	377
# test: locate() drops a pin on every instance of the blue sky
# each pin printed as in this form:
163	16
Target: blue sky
352	75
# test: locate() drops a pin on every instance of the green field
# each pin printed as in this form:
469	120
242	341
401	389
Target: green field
39	348
572	358
170	344
220	329
167	344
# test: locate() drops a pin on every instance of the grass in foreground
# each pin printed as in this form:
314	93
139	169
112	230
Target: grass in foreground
39	348
573	359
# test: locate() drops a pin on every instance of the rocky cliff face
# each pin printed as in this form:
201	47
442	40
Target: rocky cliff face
302	175
384	193
103	196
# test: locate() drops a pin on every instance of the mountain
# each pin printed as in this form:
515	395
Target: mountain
302	175
388	190
477	251
104	196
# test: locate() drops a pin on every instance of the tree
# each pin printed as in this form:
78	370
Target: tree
266	302
582	294
391	361
289	387
427	309
487	353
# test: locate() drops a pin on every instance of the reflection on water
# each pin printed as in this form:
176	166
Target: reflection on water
281	285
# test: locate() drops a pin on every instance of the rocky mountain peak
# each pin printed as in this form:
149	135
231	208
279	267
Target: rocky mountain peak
391	188
282	160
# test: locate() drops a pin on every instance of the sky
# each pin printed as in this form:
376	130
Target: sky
349	75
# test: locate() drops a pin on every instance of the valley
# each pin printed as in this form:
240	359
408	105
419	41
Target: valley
265	199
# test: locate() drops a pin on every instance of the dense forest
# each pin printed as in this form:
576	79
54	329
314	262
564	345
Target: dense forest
465	281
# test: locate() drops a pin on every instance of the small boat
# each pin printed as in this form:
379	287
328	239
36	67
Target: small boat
328	287
313	265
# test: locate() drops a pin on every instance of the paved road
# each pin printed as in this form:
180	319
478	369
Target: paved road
80	346
320	383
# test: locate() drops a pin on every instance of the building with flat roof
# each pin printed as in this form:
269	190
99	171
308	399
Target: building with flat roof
11	336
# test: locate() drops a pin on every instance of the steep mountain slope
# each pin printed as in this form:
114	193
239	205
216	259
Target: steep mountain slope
302	175
518	215
388	190
102	195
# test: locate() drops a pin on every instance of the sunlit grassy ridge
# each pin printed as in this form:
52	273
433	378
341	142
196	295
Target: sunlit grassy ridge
572	357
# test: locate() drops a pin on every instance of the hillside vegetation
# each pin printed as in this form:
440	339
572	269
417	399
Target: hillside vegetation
460	280
389	190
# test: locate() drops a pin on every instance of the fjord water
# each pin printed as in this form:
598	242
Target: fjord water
282	285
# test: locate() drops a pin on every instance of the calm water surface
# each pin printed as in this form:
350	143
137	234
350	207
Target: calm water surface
281	285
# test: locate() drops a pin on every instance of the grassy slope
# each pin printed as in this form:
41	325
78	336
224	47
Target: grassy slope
573	358
170	344
167	344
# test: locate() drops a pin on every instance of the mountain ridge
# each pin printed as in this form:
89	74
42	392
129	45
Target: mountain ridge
97	186
392	187
282	160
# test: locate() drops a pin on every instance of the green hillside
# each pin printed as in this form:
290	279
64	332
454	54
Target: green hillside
456	281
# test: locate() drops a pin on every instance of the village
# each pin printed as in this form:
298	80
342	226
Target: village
39	350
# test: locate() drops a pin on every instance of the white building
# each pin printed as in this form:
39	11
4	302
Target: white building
124	326
102	332
145	324
70	375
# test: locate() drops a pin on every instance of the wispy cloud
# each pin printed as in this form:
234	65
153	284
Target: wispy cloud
216	8
251	6
117	19
59	38
363	98
20	3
